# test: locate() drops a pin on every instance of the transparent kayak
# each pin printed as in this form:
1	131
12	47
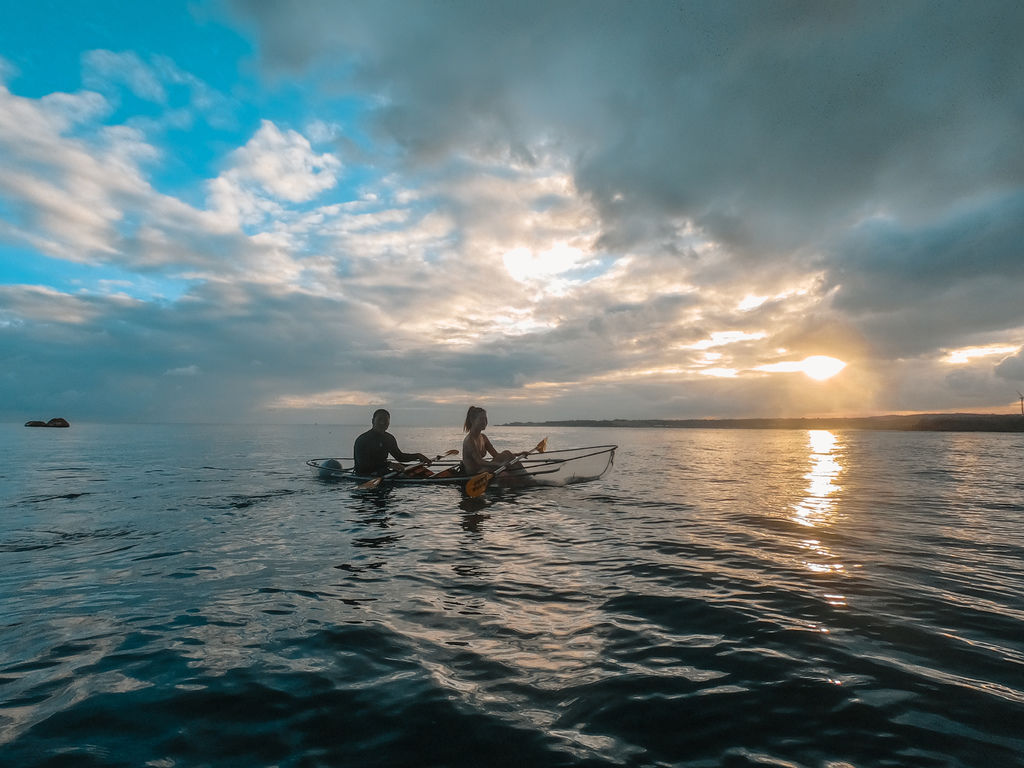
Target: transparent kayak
553	468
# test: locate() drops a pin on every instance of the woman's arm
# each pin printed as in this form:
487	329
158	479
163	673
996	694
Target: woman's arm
500	457
478	460
488	448
475	460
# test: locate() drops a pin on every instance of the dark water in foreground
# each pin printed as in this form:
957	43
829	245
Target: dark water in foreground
190	596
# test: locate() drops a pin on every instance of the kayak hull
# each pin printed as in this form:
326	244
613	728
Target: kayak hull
554	468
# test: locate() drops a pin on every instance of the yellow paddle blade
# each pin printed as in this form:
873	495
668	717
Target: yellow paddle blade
369	484
542	446
478	484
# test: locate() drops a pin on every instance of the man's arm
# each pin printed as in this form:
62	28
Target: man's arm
399	455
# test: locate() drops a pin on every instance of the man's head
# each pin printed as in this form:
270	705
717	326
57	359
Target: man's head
381	420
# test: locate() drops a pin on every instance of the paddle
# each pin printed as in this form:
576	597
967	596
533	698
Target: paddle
478	483
378	480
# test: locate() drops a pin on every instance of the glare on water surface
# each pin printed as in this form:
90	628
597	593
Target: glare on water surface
817	508
818	504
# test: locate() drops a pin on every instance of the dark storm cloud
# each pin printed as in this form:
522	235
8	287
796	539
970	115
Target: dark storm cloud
943	280
764	122
1012	368
884	264
223	353
219	354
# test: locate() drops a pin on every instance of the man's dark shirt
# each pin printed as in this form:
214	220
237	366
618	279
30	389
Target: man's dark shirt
371	451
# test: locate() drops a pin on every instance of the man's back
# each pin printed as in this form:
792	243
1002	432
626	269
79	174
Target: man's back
371	450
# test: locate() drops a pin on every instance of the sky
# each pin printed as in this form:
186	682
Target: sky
297	212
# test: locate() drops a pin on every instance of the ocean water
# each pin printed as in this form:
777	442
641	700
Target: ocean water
193	596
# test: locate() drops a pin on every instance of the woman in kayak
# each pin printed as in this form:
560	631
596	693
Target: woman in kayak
476	447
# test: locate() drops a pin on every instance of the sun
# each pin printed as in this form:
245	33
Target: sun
818	367
821	367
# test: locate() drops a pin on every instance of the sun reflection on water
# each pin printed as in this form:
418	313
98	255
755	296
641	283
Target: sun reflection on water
817	508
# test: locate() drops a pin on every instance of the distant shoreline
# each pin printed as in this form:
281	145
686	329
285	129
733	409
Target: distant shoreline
926	422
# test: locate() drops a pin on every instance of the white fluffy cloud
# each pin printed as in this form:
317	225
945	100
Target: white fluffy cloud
273	169
284	165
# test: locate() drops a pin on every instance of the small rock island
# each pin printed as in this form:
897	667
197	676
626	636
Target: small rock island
58	422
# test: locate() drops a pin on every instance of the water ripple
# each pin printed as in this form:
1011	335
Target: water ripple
787	599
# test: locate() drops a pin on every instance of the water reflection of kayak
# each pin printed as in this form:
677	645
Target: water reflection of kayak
572	465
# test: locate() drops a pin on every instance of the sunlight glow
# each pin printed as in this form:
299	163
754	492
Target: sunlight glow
525	264
721	338
751	302
324	399
519	322
964	355
818	367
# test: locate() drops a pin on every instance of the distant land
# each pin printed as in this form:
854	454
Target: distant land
921	422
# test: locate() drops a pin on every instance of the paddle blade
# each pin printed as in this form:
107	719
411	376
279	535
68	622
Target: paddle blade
478	484
542	446
369	484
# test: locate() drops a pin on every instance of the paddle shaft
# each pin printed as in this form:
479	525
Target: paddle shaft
373	483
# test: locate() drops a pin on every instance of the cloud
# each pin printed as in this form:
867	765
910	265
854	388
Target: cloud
884	263
102	69
767	127
570	209
7	70
181	96
88	198
860	164
940	283
205	100
42	306
1011	368
273	168
188	370
133	356
70	109
763	124
284	165
63	191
